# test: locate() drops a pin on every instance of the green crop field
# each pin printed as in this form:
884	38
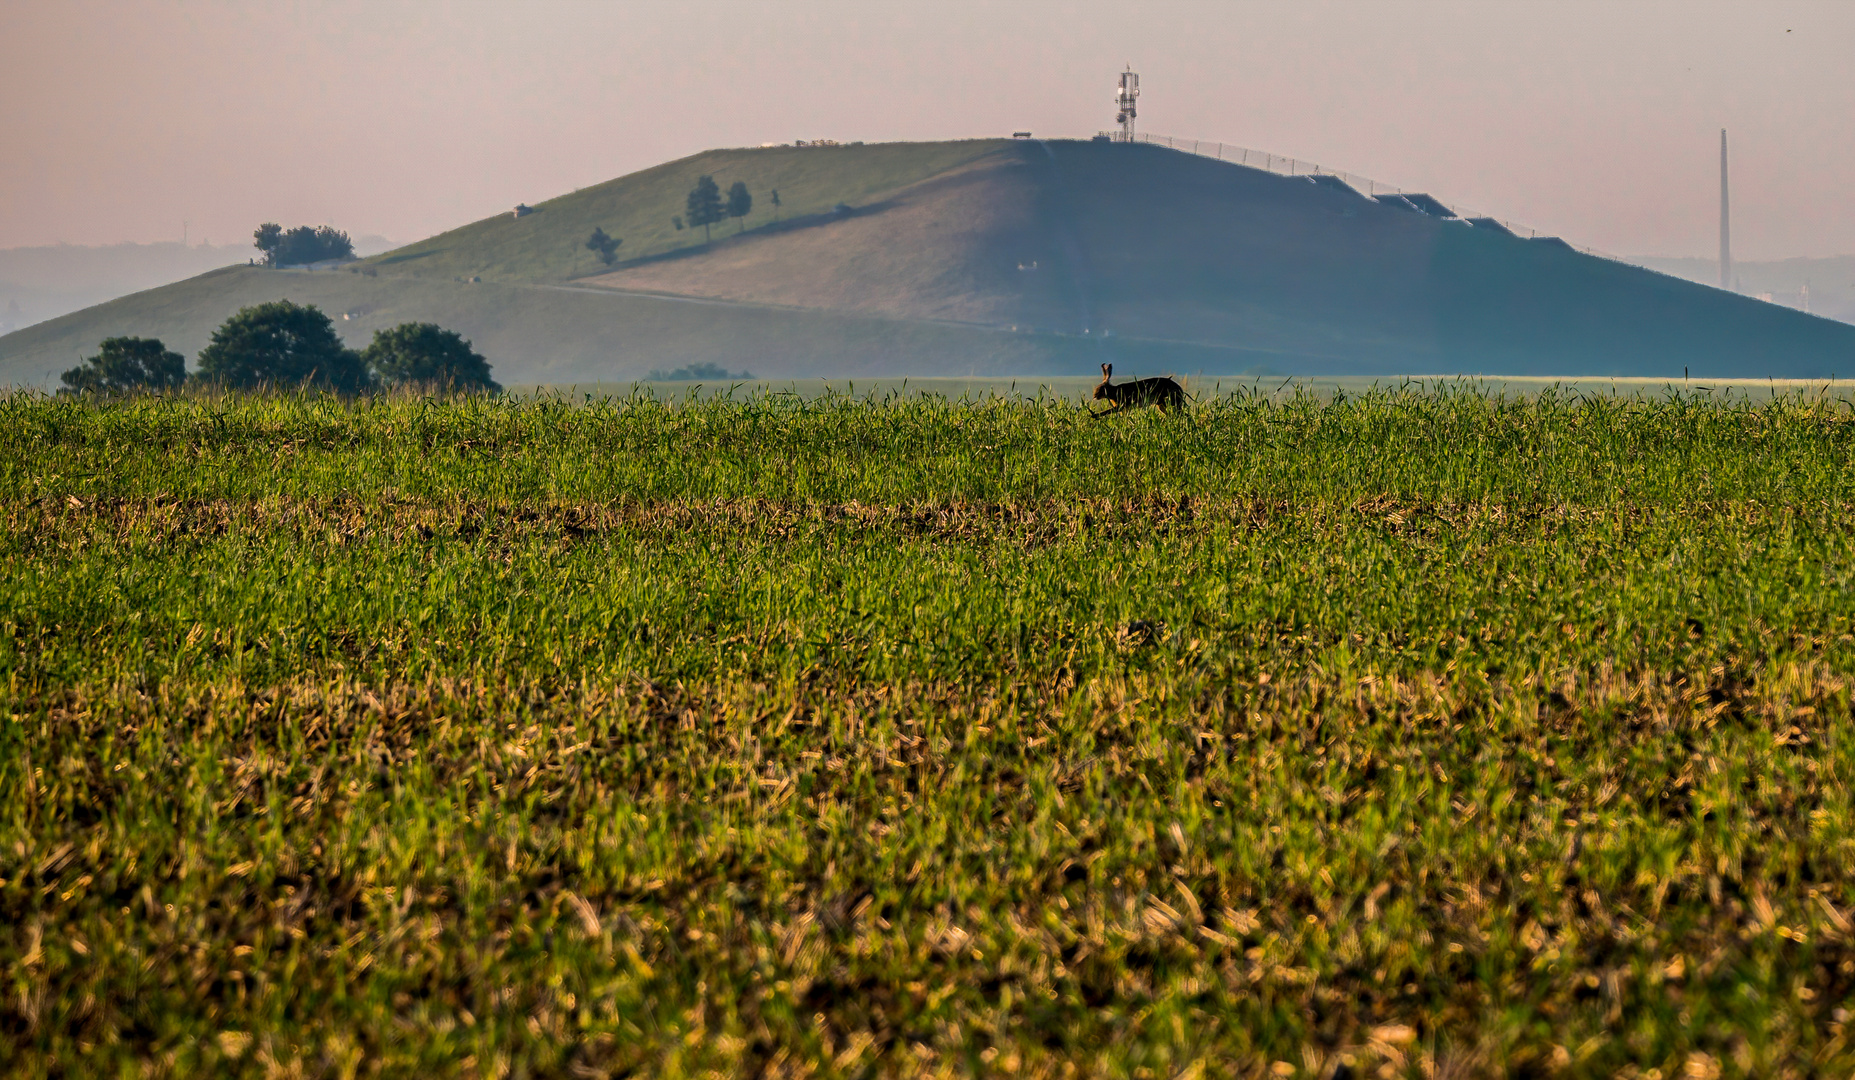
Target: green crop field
1387	734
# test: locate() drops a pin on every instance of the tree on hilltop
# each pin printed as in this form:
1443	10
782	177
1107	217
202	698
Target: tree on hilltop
704	205
127	365
427	356
603	246
281	344
321	245
740	204
301	245
267	239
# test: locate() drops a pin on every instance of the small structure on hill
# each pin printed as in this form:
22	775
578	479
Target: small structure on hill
521	210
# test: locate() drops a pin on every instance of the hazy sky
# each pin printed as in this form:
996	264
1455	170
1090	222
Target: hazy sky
1598	121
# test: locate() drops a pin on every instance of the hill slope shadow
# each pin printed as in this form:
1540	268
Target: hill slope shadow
971	244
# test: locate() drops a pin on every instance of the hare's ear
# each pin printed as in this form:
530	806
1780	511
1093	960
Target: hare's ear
1107	370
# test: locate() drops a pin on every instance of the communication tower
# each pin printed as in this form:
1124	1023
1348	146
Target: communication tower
1124	97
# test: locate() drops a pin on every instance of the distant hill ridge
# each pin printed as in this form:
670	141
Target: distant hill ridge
1823	286
48	280
999	256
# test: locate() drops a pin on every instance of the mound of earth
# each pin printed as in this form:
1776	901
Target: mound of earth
1000	257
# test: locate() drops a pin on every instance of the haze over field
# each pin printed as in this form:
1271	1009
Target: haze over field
39	283
1588	124
1596	122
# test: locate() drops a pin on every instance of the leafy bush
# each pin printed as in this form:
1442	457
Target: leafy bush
126	365
282	344
429	356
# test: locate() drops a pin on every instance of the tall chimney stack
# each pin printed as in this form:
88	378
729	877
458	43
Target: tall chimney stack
1726	223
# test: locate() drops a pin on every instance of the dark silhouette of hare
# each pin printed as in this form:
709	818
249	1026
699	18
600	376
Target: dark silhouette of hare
1162	392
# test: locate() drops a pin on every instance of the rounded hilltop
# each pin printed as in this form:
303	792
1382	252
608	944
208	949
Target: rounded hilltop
996	256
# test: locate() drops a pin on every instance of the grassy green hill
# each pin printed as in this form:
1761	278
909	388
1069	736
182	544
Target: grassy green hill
976	242
1150	244
1001	257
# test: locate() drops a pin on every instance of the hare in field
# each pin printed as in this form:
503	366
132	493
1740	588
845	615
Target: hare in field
1162	392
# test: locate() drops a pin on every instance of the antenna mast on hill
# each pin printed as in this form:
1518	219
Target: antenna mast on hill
1124	96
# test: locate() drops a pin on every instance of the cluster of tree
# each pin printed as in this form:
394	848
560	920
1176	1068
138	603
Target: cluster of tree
426	356
705	205
280	345
603	246
697	371
301	245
